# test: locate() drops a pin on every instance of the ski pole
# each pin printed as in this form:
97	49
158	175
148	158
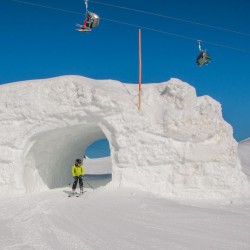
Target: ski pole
89	184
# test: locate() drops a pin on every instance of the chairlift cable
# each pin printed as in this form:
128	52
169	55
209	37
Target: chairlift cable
137	26
47	7
177	35
173	18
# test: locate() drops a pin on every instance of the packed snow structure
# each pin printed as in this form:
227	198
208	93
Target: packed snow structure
244	154
176	146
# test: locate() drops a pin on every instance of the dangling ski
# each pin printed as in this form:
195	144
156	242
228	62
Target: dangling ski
81	28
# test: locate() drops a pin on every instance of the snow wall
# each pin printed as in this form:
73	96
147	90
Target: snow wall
244	154
177	146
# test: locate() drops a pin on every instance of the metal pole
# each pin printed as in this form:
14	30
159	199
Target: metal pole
140	69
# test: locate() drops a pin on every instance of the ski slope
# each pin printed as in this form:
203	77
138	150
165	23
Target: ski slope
122	219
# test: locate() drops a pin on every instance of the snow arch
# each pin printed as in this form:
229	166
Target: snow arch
50	155
178	145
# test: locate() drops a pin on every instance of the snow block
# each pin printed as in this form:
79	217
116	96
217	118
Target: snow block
177	146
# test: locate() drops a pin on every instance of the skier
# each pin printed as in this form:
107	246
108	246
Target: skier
87	24
77	173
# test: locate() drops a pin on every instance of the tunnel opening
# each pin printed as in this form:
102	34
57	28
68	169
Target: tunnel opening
50	156
98	149
97	164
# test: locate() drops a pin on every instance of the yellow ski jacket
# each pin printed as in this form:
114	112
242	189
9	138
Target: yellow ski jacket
77	170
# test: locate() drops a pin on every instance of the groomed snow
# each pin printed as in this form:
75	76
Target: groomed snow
120	219
177	146
123	219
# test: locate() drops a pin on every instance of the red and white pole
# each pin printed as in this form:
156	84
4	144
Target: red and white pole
140	69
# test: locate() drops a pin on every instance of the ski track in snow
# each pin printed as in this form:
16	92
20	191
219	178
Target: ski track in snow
120	219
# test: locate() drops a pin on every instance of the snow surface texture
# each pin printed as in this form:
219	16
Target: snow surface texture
244	154
120	219
177	146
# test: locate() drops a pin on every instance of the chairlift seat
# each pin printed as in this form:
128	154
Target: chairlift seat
93	20
203	59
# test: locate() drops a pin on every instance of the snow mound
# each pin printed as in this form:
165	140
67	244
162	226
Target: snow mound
178	145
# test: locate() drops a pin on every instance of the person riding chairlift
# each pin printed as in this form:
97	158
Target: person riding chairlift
203	58
87	23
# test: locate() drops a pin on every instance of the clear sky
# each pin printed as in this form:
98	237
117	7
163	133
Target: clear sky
98	149
40	42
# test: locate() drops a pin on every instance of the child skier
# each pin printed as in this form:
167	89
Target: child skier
77	173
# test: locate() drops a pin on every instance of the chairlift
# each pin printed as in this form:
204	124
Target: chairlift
91	21
203	58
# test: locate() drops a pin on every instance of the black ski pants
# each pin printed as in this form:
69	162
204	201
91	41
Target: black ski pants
76	179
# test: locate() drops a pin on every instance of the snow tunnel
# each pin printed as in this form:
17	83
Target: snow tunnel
50	155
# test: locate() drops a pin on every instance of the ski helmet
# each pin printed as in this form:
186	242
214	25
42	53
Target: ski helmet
78	161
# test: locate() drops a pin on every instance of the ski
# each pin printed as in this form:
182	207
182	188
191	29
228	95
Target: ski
72	194
80	194
76	194
81	28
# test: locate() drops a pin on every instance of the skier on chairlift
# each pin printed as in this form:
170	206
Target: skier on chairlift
203	58
91	20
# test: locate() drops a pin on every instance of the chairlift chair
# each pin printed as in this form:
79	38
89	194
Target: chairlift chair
203	58
92	20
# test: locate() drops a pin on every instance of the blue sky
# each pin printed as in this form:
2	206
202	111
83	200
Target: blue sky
38	42
98	149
